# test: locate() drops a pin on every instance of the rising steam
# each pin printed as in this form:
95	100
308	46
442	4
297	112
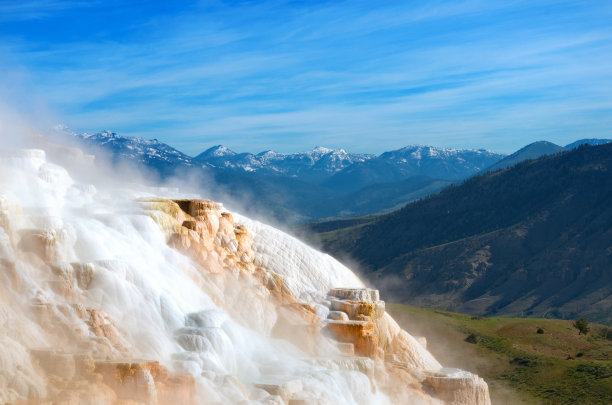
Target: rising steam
114	291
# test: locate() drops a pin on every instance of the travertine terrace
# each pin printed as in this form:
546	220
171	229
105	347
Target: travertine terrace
115	296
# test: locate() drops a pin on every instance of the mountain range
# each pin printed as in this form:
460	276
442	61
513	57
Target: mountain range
540	148
339	169
528	235
306	186
314	165
314	185
534	239
150	152
532	151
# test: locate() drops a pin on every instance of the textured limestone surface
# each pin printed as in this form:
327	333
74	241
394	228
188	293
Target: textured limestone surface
113	294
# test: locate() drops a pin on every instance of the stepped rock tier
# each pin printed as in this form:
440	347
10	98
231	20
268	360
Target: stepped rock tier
111	295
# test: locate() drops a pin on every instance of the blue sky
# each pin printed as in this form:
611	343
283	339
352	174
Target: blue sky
367	76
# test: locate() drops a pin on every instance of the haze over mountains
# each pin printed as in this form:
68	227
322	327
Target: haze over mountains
540	148
531	151
473	247
532	240
315	185
114	293
307	186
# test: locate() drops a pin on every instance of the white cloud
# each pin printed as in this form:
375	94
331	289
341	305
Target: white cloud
360	78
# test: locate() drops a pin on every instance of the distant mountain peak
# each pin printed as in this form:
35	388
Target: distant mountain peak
321	149
268	153
588	141
104	134
336	153
319	152
150	151
532	151
216	151
534	230
312	165
416	153
436	150
540	143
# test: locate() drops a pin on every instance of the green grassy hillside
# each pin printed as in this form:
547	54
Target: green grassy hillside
521	366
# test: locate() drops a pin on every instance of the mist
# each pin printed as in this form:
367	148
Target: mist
104	262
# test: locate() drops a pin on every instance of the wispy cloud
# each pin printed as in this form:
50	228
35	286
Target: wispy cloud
343	74
38	9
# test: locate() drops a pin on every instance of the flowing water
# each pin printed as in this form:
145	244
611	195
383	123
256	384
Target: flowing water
88	268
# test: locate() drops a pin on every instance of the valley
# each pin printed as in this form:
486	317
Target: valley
533	240
521	366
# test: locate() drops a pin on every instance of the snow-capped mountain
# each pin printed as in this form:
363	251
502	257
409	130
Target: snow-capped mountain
414	160
299	187
149	151
307	186
217	151
317	165
351	171
455	162
311	165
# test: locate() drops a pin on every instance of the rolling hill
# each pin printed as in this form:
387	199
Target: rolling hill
540	148
531	151
525	361
532	240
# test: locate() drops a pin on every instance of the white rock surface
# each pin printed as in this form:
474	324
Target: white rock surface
69	247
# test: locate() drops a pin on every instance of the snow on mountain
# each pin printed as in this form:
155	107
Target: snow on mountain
457	161
315	163
139	149
414	160
320	162
333	168
215	152
293	187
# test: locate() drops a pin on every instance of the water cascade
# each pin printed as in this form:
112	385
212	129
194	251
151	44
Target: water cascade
115	295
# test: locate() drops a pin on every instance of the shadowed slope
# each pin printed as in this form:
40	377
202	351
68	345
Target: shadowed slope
535	239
